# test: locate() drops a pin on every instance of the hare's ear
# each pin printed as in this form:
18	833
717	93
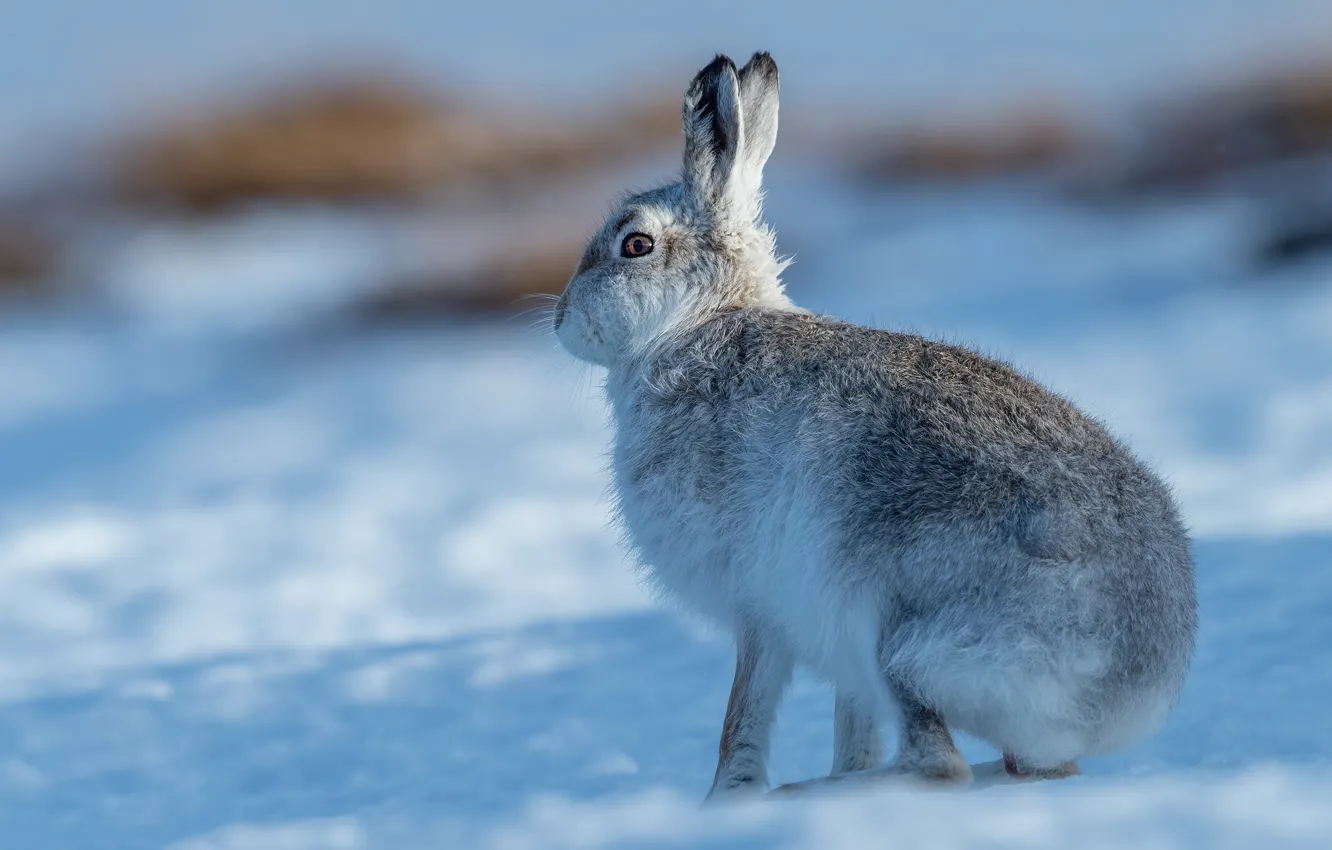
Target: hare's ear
714	132
758	104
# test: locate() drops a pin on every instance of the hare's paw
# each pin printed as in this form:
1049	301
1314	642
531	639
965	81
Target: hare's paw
735	790
818	784
1009	771
939	769
913	778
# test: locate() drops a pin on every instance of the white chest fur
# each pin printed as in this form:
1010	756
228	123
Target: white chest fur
760	557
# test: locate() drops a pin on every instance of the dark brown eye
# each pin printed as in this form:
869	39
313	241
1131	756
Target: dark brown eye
636	245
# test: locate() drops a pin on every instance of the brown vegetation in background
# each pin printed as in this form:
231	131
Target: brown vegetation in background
1184	142
502	200
504	286
1190	142
1029	140
27	258
377	138
371	138
489	255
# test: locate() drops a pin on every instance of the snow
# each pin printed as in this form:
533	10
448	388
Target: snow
262	588
1230	813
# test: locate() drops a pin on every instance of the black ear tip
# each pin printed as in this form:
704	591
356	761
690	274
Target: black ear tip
709	78
719	64
761	63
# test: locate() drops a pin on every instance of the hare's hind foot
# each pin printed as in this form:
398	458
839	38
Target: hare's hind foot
740	791
926	757
1011	770
1015	768
942	776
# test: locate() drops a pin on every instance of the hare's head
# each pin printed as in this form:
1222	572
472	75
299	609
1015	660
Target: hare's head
668	259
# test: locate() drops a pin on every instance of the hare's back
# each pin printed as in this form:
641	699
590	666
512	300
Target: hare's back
902	391
907	434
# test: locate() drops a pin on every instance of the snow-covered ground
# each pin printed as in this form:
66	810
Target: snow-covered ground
347	589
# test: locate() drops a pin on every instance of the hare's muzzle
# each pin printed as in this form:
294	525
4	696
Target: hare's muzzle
560	307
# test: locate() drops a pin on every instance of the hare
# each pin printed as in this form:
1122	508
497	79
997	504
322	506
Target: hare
949	544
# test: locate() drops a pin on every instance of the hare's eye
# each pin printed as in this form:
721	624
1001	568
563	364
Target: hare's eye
636	245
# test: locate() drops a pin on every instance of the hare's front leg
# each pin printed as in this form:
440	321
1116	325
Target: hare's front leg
762	671
857	744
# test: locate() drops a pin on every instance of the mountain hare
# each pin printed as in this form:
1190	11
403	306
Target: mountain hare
947	542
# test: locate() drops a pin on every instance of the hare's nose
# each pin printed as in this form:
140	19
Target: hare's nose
560	307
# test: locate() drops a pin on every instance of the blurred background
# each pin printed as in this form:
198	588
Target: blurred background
302	513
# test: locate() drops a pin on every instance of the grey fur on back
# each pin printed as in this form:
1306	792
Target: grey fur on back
915	522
